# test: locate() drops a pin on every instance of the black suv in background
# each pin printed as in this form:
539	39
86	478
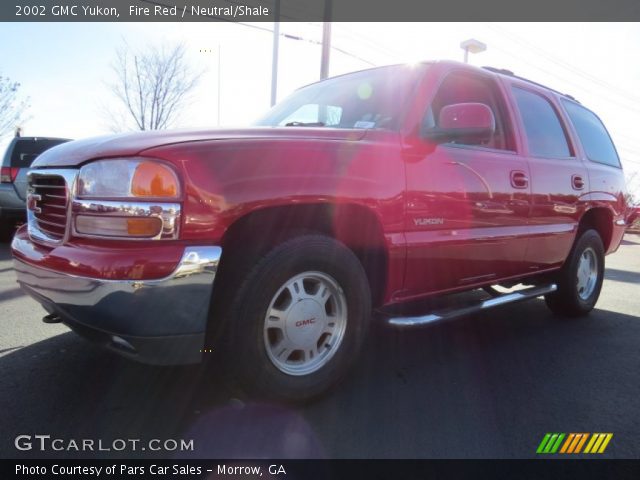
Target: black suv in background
19	156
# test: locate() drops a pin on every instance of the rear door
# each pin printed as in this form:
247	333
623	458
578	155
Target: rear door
468	202
605	171
559	178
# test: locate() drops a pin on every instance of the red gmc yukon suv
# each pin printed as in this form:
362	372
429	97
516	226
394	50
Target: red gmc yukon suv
272	246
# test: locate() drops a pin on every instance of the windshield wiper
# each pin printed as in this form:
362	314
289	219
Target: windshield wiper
304	124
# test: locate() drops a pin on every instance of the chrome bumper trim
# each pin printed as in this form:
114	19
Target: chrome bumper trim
168	212
176	306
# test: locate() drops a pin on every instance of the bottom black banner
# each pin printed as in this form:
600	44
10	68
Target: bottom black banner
322	469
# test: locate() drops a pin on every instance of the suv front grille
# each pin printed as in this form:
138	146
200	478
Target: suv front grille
48	205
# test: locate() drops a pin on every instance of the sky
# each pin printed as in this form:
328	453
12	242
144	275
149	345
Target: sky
65	68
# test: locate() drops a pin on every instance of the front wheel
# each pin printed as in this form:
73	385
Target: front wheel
297	319
580	280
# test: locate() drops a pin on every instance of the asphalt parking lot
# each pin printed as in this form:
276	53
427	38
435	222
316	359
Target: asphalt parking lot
485	386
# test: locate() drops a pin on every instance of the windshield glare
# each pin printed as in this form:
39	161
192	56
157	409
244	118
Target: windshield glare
368	99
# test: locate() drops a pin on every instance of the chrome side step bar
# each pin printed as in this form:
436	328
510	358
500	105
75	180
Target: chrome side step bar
450	313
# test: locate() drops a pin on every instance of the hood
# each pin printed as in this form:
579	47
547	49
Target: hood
131	144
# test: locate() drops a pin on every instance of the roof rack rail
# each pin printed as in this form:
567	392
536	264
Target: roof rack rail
509	73
503	71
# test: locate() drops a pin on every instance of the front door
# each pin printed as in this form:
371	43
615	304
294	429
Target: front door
467	202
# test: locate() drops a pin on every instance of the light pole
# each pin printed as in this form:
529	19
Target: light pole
472	45
219	78
274	57
326	40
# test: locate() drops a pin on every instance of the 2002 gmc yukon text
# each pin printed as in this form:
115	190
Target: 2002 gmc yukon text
272	245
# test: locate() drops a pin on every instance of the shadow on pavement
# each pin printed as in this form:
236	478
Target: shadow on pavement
631	239
622	276
69	389
11	294
488	385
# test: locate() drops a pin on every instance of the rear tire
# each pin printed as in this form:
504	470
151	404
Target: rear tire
580	280
296	320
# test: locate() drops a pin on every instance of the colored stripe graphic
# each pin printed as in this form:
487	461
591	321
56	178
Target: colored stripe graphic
581	442
543	443
574	443
550	443
598	443
605	443
567	443
556	445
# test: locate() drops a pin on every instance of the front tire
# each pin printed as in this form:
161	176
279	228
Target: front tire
297	320
580	280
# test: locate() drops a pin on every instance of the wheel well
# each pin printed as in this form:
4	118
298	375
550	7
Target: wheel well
354	225
601	220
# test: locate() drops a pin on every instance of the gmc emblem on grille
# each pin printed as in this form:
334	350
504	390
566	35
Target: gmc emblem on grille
32	202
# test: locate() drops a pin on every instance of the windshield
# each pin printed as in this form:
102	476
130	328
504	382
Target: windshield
368	99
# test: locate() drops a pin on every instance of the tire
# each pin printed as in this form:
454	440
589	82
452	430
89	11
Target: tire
318	297
7	229
580	280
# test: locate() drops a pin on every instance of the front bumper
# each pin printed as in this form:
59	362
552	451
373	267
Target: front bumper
161	322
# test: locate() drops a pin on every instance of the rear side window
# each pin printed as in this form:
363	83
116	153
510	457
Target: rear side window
545	135
593	135
25	150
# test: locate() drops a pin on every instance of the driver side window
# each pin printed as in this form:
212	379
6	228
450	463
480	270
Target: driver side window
465	88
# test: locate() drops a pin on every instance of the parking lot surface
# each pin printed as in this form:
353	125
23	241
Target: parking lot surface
485	386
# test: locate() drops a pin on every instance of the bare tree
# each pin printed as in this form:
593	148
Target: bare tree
153	85
12	107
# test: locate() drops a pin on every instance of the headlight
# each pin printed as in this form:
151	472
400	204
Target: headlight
127	198
127	178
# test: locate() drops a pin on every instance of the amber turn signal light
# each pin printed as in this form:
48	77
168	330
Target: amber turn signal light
144	227
153	179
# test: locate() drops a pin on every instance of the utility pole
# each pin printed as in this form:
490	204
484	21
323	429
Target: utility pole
326	40
219	78
274	57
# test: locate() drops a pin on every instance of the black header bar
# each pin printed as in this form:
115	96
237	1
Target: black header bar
323	469
314	10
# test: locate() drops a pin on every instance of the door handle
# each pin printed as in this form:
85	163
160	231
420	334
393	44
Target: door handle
576	182
519	179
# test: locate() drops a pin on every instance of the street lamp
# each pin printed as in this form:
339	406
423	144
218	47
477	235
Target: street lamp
472	45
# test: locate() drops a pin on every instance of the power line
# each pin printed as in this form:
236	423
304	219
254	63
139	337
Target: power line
563	63
569	82
269	30
337	49
369	42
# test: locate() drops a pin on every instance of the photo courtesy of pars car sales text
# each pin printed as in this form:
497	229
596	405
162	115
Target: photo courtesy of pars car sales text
105	471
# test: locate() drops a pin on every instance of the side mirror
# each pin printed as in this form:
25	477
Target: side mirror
468	121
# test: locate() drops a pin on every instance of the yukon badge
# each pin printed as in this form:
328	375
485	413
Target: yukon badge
421	222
